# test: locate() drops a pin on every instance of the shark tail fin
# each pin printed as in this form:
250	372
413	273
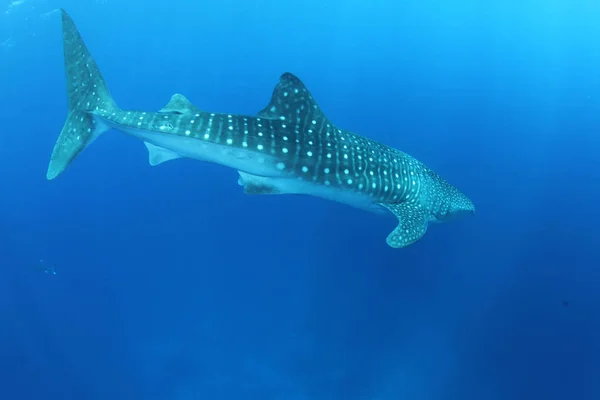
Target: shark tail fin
88	99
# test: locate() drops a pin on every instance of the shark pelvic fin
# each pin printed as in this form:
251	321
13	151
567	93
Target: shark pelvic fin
291	101
254	184
412	224
88	96
179	104
158	155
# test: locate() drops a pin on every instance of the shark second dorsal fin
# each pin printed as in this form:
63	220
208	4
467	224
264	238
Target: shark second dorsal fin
412	224
291	101
179	104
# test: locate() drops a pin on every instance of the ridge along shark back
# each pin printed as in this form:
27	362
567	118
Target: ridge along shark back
290	147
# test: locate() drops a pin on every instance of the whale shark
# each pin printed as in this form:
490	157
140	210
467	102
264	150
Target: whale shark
289	147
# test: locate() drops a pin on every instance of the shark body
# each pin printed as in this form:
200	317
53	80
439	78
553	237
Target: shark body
288	147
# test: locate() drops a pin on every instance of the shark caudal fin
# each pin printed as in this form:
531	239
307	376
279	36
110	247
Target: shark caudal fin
88	97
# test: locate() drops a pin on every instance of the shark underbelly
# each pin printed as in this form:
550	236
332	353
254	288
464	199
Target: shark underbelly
197	149
259	172
256	170
254	184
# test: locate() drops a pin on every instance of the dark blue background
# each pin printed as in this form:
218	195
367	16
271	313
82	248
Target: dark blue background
173	284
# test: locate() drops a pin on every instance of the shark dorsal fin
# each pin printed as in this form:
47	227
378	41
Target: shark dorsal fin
179	104
291	101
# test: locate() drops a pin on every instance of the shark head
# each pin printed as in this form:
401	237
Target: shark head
457	206
446	202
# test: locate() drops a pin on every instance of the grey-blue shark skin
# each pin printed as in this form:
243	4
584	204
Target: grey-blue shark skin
288	147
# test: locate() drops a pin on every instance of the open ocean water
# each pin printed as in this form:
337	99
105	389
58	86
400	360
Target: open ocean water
119	280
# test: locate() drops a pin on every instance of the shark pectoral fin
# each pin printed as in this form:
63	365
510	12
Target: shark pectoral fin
254	184
179	104
412	224
158	155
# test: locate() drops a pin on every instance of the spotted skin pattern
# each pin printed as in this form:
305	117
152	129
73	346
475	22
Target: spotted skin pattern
291	136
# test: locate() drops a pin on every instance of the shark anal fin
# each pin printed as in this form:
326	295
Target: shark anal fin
254	184
179	104
412	224
292	101
158	155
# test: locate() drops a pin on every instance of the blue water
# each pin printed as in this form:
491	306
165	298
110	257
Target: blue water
173	284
